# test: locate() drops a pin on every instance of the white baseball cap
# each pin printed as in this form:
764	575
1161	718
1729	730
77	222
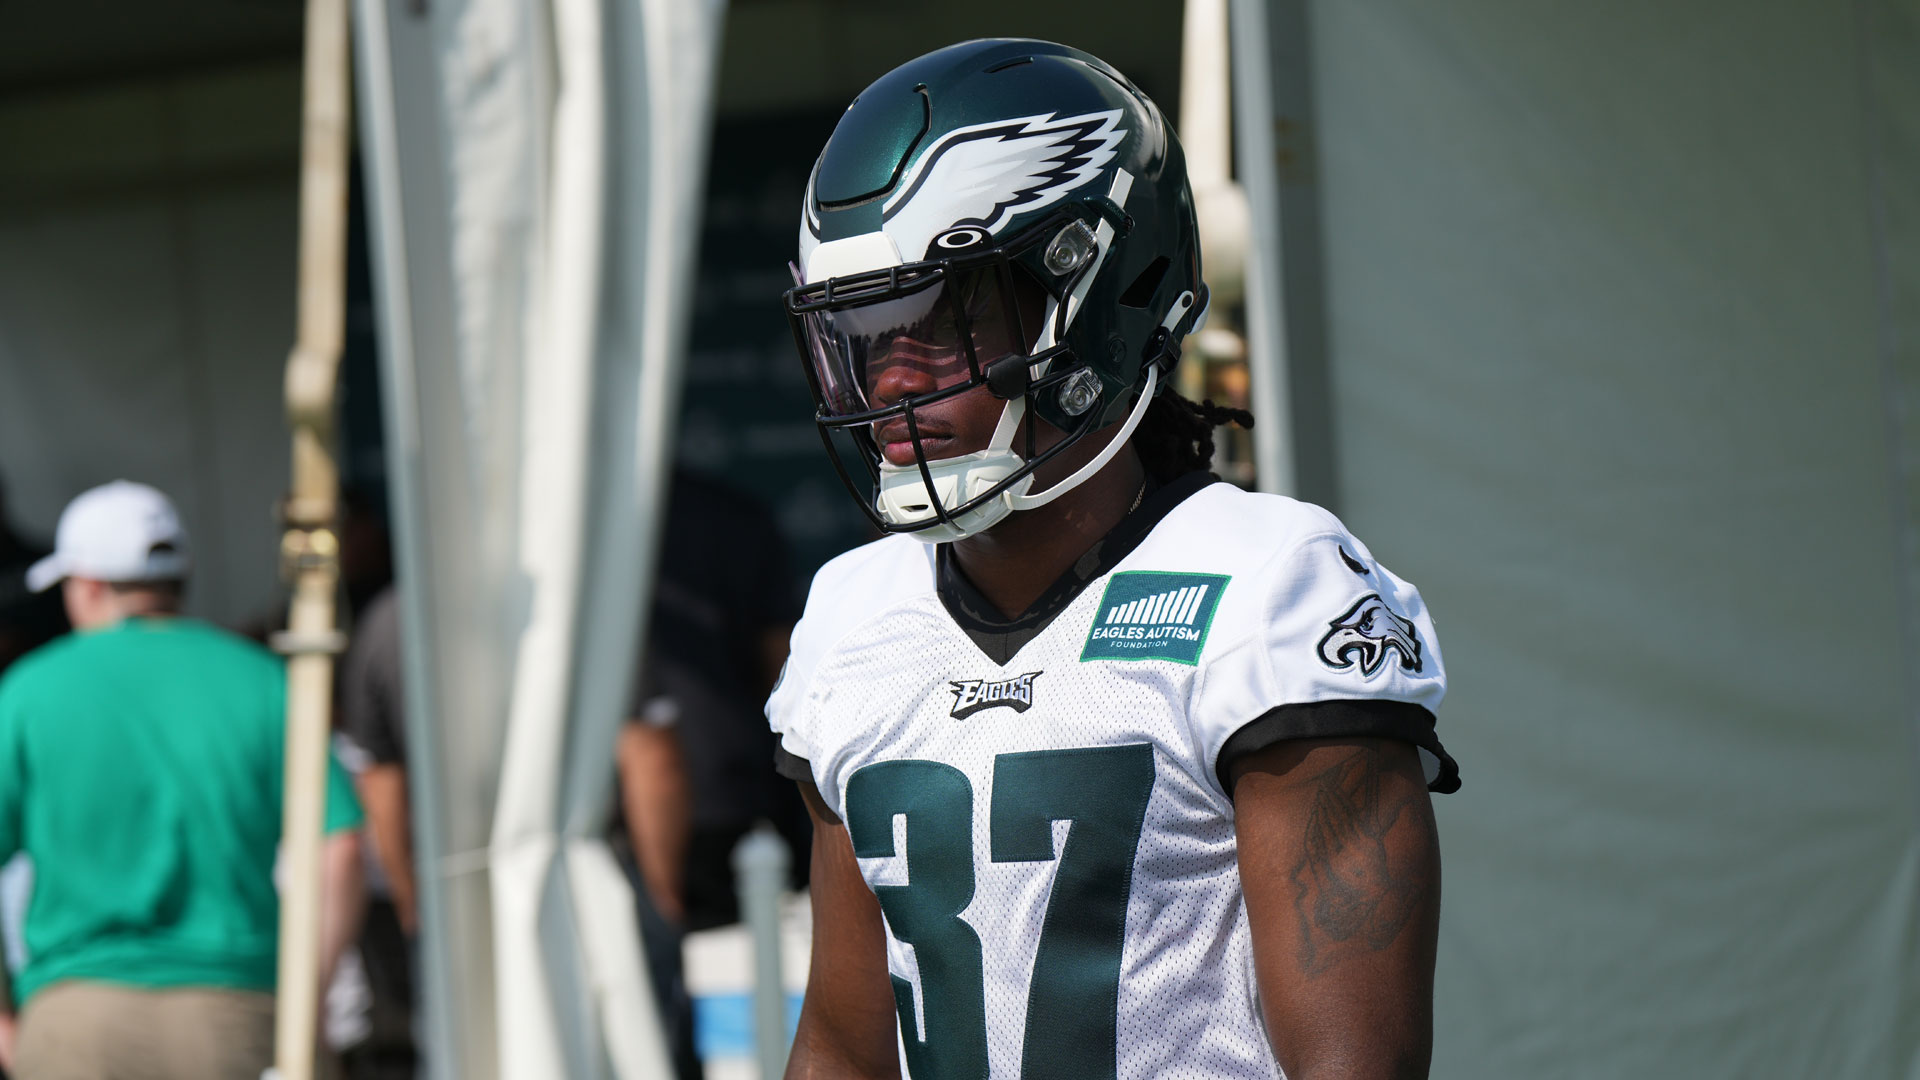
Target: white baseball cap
121	531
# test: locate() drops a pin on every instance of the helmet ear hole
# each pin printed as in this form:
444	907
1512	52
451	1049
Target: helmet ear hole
1140	293
1029	304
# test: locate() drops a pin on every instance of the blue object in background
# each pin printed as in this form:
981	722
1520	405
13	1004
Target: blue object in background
723	1024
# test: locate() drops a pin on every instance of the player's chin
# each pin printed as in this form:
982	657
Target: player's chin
902	455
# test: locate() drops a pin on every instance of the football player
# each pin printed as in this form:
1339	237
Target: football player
1116	770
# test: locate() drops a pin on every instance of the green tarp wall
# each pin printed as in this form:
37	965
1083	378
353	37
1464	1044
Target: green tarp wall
1623	319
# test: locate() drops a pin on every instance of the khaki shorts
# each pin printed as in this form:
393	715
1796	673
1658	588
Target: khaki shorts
77	1030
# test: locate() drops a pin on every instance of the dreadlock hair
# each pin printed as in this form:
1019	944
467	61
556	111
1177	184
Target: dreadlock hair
1176	435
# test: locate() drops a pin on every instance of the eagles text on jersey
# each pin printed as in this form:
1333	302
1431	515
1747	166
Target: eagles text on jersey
1039	806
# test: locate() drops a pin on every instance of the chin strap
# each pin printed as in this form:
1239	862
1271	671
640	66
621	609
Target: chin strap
1085	472
905	499
1010	417
1178	311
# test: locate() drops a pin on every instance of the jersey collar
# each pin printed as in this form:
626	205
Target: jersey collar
1000	637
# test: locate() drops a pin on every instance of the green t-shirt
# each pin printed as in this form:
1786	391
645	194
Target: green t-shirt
140	768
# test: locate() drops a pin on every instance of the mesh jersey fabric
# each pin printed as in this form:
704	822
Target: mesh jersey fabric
140	768
1078	782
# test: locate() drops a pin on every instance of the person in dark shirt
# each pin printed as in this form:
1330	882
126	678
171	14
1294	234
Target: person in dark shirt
373	722
695	758
723	608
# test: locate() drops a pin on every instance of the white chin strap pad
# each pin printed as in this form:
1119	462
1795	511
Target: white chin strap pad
905	500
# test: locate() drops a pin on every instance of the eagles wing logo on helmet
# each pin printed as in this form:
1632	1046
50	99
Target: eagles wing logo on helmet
1367	632
985	174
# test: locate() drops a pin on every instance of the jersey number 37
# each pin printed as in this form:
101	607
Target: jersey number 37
1072	1002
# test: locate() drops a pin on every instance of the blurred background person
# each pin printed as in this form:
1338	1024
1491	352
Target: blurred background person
366	550
723	609
141	763
373	1000
373	725
651	833
696	757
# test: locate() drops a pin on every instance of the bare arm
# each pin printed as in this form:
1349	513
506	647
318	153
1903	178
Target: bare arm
383	792
1341	868
847	1023
658	806
343	899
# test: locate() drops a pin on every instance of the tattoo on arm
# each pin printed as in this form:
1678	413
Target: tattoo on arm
1356	883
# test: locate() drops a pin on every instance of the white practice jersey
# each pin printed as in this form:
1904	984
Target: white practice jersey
1047	830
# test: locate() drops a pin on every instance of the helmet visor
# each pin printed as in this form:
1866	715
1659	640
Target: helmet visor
885	343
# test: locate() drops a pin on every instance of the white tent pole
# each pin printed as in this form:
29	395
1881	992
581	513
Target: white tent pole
310	549
1206	119
1274	124
1220	204
1266	301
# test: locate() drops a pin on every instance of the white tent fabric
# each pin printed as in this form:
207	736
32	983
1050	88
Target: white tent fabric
1623	308
535	183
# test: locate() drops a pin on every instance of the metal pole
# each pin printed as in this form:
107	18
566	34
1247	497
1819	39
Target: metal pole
760	875
309	549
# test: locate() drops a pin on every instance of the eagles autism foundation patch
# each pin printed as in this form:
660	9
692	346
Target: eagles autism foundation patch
1147	615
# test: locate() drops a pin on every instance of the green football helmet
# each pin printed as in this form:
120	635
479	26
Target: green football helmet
1012	214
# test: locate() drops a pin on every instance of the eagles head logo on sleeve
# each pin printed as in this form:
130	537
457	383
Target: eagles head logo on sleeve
1366	634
